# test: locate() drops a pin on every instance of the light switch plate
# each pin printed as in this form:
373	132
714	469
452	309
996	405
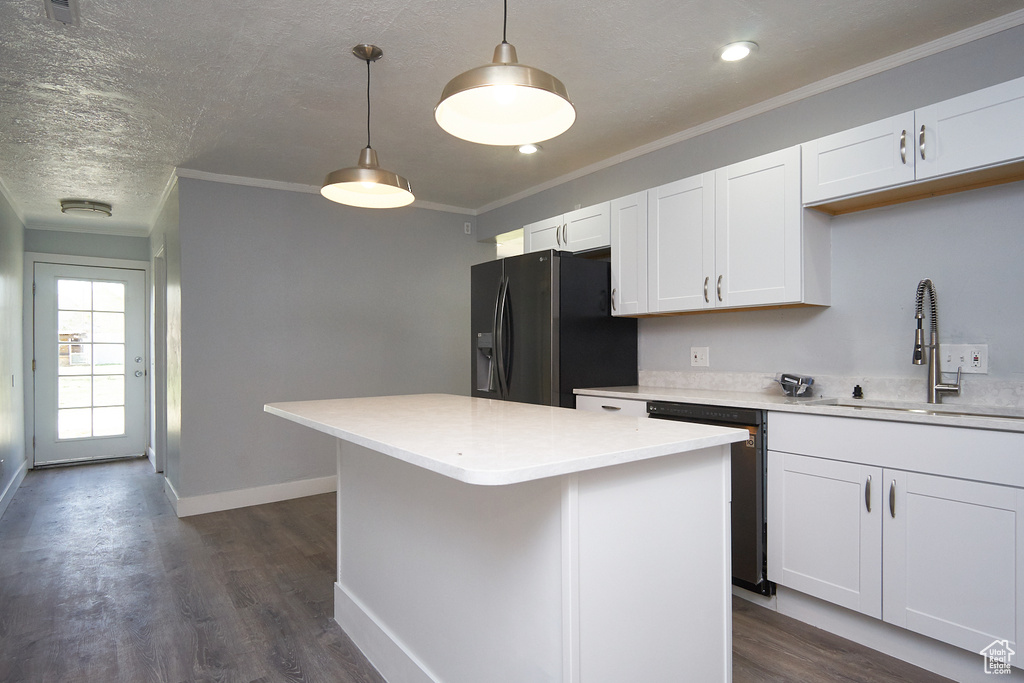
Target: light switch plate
973	358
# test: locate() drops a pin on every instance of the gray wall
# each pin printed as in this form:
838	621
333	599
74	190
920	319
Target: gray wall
975	65
286	296
87	244
12	380
970	243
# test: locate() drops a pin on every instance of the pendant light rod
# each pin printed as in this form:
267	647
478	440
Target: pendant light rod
367	185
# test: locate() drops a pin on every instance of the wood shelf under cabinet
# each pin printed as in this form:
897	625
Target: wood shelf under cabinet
973	180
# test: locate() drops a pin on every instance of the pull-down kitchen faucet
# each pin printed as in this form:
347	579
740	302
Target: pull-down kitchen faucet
935	386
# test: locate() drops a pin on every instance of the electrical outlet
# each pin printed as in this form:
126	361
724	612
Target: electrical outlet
973	358
699	356
467	228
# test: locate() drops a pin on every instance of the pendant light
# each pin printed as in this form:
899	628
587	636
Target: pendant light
505	102
367	185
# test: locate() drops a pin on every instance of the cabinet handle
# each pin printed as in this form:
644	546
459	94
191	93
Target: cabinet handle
892	499
920	142
867	493
612	407
706	281
903	147
719	287
558	235
565	235
613	299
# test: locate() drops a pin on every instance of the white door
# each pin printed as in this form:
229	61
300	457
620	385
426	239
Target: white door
825	529
681	245
542	235
975	130
89	351
870	157
629	255
587	228
952	559
758	255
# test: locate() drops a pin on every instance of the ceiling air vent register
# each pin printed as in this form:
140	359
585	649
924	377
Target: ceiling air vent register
64	11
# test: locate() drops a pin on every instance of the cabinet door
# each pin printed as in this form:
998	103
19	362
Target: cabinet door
825	530
870	157
681	245
978	129
542	235
758	253
954	559
629	254
586	228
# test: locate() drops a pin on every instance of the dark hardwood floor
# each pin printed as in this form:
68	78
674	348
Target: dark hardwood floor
100	582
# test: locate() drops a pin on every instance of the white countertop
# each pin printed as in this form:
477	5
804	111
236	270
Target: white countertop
949	414
482	441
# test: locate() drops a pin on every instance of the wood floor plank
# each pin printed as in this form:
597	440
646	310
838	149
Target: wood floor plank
101	582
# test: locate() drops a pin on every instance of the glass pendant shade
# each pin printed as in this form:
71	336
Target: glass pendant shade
505	103
367	185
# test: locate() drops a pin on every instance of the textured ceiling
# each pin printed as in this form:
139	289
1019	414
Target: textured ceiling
107	110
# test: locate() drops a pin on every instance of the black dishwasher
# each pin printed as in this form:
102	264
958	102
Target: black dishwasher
749	480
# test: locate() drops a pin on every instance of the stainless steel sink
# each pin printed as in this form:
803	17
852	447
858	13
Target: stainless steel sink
923	408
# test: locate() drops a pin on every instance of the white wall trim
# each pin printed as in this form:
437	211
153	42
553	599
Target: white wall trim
949	42
12	487
299	187
240	498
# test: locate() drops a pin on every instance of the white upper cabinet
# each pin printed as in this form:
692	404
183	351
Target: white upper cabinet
629	254
732	238
579	230
880	154
977	131
681	245
768	251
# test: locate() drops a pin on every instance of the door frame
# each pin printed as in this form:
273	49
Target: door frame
28	331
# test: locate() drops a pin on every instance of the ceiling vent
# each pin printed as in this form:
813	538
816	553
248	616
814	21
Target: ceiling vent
64	11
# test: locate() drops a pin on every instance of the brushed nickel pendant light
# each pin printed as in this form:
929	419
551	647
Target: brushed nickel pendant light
505	102
367	185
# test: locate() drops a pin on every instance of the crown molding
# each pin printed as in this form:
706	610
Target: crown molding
1007	21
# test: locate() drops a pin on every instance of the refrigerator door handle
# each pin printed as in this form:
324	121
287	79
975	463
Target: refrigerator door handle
499	334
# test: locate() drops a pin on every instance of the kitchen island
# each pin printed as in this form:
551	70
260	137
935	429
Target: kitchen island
483	540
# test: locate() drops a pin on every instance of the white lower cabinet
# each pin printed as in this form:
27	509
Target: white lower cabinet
953	554
939	555
825	530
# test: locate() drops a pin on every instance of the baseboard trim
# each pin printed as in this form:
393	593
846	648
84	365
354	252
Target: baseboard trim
240	498
927	653
383	650
12	488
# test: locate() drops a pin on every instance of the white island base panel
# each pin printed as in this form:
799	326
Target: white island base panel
606	575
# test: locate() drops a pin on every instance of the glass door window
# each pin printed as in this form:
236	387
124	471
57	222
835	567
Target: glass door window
90	359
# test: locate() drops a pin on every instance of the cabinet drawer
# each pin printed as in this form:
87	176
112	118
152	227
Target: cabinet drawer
612	406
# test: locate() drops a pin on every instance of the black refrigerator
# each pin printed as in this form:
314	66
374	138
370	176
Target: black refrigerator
542	326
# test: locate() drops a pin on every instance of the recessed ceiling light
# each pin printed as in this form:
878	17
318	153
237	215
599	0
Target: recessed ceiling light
529	148
84	206
733	52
